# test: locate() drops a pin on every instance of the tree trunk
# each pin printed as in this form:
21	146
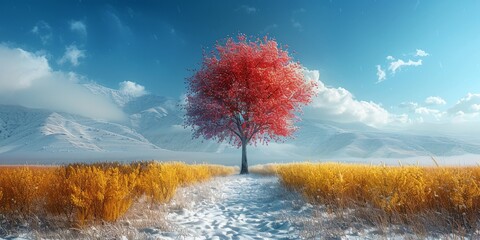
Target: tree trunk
244	169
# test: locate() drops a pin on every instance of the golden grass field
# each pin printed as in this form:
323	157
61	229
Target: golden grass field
443	196
447	198
86	193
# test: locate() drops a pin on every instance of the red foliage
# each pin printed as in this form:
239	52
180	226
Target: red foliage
246	91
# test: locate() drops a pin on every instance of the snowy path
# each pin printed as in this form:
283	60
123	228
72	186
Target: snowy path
235	207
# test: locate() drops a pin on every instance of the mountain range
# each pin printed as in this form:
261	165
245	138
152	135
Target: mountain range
154	130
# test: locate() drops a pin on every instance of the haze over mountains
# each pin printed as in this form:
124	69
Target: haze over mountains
153	130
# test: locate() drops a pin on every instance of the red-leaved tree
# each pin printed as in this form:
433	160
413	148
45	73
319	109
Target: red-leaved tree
246	92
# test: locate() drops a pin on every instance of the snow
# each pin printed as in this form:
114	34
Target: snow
259	207
30	130
249	207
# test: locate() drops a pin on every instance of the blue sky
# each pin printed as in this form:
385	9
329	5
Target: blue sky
428	51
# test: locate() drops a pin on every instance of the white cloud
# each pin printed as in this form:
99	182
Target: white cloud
426	111
20	69
381	75
415	108
338	104
311	75
476	107
465	110
133	89
26	79
401	118
79	27
421	53
409	105
433	100
396	65
462	117
43	30
72	55
466	105
249	9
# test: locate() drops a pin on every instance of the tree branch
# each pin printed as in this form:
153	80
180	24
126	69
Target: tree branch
236	133
255	131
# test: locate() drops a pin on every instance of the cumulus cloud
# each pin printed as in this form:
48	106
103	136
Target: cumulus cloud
409	105
19	69
424	112
26	79
43	30
78	27
396	65
469	104
433	100
476	107
463	117
381	74
338	104
72	55
133	89
421	53
464	114
390	58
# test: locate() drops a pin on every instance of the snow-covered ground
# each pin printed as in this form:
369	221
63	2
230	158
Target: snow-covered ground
246	207
234	207
258	207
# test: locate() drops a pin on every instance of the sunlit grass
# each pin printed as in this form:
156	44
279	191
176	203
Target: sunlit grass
395	194
88	193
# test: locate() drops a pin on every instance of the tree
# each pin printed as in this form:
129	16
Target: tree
246	92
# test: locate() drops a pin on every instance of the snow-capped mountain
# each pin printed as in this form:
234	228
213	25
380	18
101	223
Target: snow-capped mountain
342	140
30	130
154	126
160	121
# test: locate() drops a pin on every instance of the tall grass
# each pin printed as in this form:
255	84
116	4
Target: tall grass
445	196
87	193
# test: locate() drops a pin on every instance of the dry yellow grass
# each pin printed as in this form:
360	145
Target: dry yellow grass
87	193
401	194
21	189
264	169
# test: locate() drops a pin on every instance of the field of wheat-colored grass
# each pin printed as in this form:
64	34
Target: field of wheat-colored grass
444	196
87	193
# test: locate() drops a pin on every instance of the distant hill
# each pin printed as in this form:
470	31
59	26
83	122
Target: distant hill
154	128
